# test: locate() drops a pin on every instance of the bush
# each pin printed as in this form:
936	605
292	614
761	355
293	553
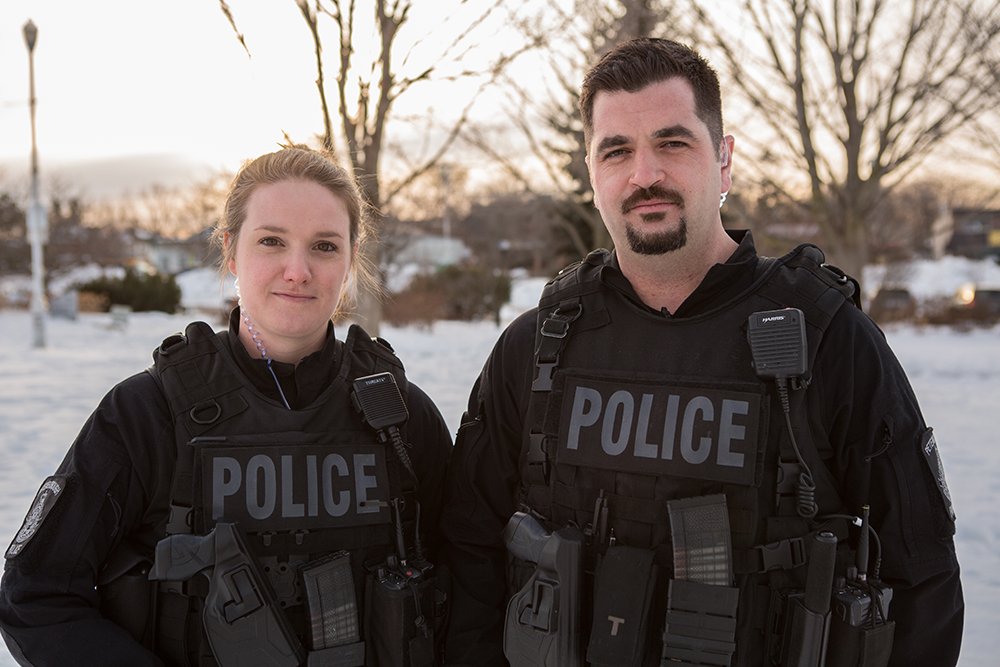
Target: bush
467	292
139	291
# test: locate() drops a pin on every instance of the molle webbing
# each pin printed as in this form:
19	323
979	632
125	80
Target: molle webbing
207	394
573	304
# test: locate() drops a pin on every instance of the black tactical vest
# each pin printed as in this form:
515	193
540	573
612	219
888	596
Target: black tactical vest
300	484
642	409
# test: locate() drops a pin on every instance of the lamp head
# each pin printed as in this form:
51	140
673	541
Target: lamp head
30	35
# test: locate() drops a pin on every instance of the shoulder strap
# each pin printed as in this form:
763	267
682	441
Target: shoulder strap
827	281
362	354
565	292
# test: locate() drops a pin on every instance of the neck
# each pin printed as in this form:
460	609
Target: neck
285	350
666	281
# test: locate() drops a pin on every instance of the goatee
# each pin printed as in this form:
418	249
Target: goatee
656	243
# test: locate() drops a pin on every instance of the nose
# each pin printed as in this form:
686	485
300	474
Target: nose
646	169
297	269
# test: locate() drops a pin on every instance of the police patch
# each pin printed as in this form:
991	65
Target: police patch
933	458
275	487
649	427
43	503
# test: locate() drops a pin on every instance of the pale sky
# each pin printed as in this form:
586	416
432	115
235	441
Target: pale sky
120	77
135	77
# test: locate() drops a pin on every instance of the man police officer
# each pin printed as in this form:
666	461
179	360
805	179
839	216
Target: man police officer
631	399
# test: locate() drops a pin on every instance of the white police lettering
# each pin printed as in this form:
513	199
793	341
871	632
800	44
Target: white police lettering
652	427
619	420
268	486
365	482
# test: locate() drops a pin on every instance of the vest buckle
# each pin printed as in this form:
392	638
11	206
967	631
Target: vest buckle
556	325
783	554
536	457
544	380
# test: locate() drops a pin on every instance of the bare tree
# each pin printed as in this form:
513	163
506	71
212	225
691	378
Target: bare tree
575	35
848	98
366	88
173	212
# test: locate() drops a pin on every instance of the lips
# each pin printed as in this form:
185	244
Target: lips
652	204
294	296
652	197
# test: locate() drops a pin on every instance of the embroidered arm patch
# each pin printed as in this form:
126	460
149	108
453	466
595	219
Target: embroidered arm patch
929	446
46	498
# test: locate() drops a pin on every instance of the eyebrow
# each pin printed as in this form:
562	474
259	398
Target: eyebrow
275	229
673	131
663	133
611	142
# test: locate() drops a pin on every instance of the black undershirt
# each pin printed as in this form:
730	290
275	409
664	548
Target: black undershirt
301	383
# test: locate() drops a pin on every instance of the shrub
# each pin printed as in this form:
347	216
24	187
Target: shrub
466	292
139	291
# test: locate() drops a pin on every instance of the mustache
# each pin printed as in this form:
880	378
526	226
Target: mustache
652	193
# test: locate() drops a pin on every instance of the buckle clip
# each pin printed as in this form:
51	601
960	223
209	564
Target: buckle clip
783	554
556	325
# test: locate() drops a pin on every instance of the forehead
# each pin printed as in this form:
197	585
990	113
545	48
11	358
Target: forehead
642	112
304	202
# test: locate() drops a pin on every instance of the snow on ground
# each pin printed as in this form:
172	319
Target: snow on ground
45	395
927	279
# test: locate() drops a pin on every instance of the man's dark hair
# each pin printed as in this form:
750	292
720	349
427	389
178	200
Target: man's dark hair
633	65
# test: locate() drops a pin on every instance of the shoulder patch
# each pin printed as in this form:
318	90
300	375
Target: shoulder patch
933	459
46	498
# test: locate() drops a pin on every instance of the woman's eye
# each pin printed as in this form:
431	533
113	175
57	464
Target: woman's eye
269	241
326	246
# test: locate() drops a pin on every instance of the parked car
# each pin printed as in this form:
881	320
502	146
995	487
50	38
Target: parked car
977	303
892	304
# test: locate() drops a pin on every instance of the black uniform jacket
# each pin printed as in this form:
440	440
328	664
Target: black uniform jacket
119	474
862	386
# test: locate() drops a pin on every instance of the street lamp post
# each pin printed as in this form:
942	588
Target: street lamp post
37	222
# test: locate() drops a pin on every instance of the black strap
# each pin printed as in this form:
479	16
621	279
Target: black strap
552	336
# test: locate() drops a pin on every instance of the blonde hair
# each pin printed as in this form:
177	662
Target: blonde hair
305	164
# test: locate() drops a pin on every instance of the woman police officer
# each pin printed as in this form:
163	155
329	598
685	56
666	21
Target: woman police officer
252	427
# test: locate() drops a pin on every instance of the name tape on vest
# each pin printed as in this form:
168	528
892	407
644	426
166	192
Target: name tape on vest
294	487
655	429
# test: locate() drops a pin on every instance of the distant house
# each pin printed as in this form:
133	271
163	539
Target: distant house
975	233
171	256
416	253
431	252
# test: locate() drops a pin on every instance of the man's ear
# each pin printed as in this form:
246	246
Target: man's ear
590	177
726	161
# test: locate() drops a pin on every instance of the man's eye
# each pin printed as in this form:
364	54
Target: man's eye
618	152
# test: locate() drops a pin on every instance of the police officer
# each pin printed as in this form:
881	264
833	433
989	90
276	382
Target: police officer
632	397
267	428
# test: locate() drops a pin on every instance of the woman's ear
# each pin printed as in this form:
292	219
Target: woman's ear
227	239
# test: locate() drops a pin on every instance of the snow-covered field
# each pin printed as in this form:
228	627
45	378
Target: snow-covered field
45	395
